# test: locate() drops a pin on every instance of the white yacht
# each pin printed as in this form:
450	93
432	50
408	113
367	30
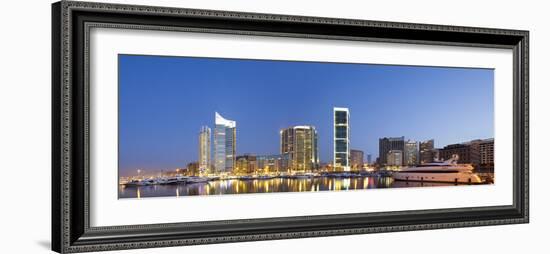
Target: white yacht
304	175
140	182
167	180
446	172
197	179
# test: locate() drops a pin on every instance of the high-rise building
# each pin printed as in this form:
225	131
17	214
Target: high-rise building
369	159
341	139
204	149
486	156
394	158
299	144
357	159
487	152
387	144
410	153
426	151
224	144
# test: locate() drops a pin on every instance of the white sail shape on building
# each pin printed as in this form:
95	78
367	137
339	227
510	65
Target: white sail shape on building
222	121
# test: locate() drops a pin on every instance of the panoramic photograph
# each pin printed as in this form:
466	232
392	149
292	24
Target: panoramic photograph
191	126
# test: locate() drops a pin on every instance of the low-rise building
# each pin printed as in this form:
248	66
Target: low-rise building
357	159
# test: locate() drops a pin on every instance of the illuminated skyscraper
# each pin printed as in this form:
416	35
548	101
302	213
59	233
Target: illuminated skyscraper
225	135
410	153
299	145
341	139
395	158
387	144
426	151
204	149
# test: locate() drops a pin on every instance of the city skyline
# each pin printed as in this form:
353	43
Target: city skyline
190	87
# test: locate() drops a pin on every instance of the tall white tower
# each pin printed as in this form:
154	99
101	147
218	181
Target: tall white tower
341	139
224	144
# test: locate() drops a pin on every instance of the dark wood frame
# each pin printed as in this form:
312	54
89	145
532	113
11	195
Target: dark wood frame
71	22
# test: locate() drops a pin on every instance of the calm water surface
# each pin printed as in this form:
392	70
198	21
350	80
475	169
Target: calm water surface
266	186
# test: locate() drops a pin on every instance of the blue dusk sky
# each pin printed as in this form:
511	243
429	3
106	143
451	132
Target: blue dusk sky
164	101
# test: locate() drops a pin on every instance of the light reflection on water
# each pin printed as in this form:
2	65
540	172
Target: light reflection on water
266	186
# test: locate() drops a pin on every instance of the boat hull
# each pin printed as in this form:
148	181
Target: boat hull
460	177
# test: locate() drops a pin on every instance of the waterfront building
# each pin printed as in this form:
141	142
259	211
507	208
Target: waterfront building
278	163
224	144
486	156
300	146
387	144
193	169
468	153
326	166
411	153
357	159
204	149
245	164
426	151
369	159
487	151
394	158
341	139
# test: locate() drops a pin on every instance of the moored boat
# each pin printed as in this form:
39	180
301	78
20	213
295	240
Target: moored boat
197	179
167	180
140	182
448	171
247	177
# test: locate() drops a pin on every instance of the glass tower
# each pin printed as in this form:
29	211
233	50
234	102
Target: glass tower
341	139
224	144
411	153
426	151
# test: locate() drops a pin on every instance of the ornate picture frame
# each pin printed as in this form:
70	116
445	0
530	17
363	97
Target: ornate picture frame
71	24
